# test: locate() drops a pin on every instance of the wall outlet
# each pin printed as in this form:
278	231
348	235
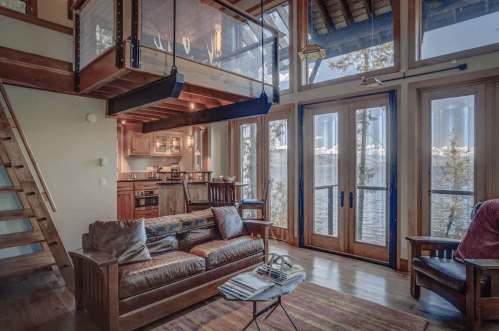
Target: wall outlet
103	181
103	161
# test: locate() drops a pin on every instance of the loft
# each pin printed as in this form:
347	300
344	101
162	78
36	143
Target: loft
124	48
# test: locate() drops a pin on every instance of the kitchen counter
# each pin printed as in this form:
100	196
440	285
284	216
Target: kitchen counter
180	183
186	172
140	180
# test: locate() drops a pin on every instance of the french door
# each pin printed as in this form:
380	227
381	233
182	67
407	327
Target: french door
347	177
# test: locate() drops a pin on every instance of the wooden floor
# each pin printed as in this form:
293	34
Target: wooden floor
40	301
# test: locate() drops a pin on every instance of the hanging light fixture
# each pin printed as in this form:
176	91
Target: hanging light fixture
371	81
313	51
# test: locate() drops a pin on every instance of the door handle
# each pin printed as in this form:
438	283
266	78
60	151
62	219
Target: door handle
351	198
342	198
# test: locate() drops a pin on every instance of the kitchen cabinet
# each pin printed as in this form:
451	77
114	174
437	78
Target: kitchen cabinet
148	213
160	144
140	144
126	201
175	145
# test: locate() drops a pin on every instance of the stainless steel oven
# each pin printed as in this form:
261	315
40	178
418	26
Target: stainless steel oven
146	199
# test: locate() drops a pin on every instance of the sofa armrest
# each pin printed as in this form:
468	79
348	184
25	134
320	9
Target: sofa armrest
98	258
259	229
257	222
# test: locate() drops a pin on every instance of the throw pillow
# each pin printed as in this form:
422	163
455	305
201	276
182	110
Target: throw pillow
229	222
125	240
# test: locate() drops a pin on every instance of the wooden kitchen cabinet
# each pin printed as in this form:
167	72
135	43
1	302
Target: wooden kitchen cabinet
126	205
140	144
175	145
160	144
148	213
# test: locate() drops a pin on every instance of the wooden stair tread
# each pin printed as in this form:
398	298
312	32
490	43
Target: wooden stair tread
8	215
18	265
9	189
21	238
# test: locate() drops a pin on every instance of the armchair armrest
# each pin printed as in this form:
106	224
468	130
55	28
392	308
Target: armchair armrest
98	258
257	222
483	264
432	243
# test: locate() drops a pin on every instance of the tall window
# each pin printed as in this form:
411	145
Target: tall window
198	150
249	164
278	169
449	26
17	5
357	37
452	165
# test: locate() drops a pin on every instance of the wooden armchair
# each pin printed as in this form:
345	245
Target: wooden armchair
472	287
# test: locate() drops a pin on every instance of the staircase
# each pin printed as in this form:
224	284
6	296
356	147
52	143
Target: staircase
32	198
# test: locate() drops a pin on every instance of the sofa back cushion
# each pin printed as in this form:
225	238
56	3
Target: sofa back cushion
175	224
228	221
162	244
187	240
125	240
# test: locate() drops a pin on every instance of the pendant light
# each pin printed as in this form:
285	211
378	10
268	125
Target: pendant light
371	81
313	51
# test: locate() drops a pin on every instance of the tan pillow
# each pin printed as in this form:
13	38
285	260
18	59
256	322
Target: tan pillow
229	222
125	240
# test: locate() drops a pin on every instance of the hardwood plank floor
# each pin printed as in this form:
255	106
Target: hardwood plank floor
40	301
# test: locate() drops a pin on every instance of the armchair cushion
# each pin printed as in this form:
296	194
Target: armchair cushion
125	240
251	202
446	271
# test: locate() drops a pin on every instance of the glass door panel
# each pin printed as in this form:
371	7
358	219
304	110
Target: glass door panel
249	164
278	171
325	191
452	165
371	180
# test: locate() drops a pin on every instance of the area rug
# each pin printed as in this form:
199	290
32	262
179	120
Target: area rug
312	308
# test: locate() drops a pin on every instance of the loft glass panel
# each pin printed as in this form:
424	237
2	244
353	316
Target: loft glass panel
371	171
353	42
208	35
452	165
17	5
249	164
326	174
450	26
96	30
278	166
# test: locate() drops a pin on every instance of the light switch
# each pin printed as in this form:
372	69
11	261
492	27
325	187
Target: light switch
103	181
103	161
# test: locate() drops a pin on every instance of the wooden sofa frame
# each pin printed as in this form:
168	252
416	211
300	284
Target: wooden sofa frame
96	288
472	305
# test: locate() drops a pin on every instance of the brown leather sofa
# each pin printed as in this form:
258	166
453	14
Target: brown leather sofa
189	261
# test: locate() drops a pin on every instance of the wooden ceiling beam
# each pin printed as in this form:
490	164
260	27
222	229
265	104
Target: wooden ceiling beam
165	110
171	107
210	93
345	10
147	112
368	8
324	14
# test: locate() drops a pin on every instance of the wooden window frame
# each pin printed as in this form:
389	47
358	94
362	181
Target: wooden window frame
490	77
291	4
302	40
415	42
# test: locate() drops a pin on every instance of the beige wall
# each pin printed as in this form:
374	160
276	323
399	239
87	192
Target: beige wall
67	149
55	11
219	133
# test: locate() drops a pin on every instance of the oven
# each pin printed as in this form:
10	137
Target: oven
146	199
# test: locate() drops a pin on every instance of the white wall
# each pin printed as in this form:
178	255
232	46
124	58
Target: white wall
67	149
219	133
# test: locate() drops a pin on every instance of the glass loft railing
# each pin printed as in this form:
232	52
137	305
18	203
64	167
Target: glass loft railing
213	34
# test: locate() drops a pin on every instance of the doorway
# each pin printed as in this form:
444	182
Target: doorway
349	172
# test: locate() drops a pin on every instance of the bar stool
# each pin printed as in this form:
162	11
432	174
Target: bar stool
255	203
193	205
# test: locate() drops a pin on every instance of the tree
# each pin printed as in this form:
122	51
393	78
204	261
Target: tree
453	171
279	184
364	60
249	165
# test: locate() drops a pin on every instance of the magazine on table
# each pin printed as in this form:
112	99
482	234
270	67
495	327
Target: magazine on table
245	286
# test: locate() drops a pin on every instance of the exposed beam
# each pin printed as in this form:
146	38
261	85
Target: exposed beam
369	8
210	93
250	108
165	109
324	14
160	91
345	10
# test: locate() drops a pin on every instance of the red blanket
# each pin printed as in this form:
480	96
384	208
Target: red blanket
482	239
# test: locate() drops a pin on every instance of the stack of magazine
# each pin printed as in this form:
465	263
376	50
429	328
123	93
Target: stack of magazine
280	276
245	286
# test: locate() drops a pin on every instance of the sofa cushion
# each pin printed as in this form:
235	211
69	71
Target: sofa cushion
446	271
125	240
219	252
229	221
174	224
161	270
162	244
187	240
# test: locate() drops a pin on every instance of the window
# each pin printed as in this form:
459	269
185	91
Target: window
449	26
17	5
279	19
278	171
198	150
249	165
356	37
